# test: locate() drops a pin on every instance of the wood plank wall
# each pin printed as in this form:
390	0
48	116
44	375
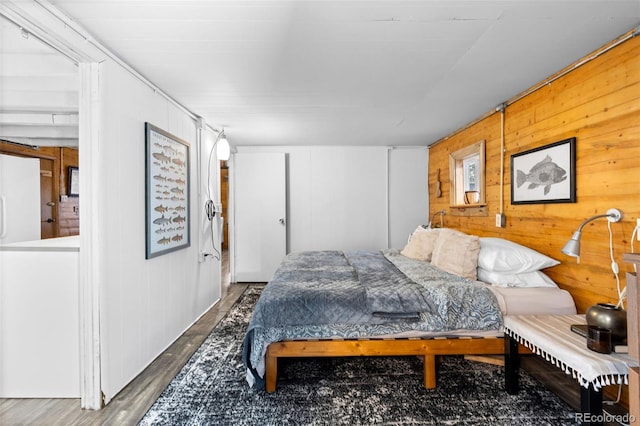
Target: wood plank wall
599	104
69	210
68	214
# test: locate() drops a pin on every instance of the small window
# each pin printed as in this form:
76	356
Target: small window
466	168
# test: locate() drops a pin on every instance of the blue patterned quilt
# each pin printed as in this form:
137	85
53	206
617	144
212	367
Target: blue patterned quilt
322	294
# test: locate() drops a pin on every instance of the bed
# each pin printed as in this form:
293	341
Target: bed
425	300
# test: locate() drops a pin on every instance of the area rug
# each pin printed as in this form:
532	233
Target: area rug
211	389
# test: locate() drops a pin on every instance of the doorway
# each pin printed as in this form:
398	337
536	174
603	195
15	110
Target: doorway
224	200
59	213
259	214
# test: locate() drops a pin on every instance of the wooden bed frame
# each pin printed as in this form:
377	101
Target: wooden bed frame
428	348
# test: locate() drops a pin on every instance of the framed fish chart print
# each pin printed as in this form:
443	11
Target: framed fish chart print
545	175
167	192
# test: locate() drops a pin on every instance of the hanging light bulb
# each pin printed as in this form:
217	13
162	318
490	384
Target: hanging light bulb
222	150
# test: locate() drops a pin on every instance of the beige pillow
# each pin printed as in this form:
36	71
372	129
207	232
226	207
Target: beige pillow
421	244
457	253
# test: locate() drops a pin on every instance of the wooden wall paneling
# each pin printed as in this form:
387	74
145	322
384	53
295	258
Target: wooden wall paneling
605	83
224	200
48	199
69	214
599	104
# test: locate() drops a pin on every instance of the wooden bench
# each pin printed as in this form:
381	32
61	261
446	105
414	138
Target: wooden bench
550	336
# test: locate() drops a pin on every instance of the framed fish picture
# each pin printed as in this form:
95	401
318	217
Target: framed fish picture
167	192
545	175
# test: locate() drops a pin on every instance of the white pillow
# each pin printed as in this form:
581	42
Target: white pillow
525	279
500	255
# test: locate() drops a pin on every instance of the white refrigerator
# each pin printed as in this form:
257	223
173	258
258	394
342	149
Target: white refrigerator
19	199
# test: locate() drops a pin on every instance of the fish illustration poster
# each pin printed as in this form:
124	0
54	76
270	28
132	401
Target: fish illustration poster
545	174
167	192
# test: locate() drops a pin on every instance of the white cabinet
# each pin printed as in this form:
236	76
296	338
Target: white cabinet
39	319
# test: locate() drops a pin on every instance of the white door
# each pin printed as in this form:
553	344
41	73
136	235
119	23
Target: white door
19	199
260	215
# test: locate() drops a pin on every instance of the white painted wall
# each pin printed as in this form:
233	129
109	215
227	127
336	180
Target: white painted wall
337	198
144	304
340	197
408	193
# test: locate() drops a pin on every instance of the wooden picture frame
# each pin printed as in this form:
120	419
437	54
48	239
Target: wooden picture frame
467	176
73	189
168	224
545	175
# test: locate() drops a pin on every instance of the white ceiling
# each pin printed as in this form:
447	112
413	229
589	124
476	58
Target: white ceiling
337	72
38	91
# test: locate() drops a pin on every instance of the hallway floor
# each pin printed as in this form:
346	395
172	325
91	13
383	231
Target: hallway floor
128	407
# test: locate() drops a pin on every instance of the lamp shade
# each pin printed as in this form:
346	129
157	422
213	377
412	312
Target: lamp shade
222	150
572	248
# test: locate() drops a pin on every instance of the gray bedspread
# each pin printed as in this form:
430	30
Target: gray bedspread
361	293
332	287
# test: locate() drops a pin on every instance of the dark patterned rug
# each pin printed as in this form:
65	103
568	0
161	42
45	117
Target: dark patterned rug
211	390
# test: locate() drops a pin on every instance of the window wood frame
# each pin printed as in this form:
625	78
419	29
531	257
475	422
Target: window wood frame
456	175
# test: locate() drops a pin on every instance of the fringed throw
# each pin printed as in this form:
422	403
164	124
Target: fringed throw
550	337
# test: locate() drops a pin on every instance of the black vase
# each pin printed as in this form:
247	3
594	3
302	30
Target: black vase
606	315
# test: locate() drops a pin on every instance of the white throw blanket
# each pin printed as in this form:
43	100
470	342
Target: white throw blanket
550	336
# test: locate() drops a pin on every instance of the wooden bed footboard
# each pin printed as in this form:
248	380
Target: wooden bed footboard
425	347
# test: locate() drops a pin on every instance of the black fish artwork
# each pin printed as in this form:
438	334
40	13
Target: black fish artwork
545	173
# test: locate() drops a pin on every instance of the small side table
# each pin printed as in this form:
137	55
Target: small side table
550	336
